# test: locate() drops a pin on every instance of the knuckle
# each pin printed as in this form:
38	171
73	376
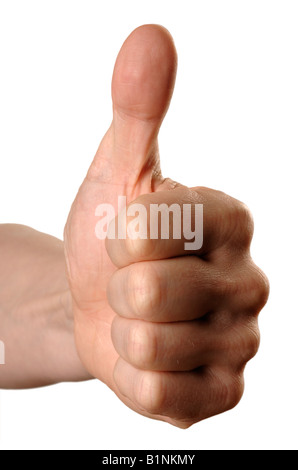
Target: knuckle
248	287
242	345
263	290
258	290
232	391
253	343
226	387
150	392
146	292
249	344
142	346
241	225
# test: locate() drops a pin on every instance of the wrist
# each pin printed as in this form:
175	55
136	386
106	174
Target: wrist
60	349
36	320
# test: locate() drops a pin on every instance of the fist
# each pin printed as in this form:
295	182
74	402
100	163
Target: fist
167	322
186	321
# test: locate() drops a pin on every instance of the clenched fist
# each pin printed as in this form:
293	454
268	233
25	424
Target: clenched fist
168	329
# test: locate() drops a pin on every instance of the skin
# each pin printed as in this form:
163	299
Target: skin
169	331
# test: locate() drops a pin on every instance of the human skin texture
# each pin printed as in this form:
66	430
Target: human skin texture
168	330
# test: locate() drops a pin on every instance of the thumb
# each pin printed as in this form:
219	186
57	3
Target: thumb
142	87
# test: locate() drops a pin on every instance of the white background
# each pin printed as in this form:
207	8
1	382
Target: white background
232	126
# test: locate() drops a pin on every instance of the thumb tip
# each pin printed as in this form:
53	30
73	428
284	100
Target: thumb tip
145	72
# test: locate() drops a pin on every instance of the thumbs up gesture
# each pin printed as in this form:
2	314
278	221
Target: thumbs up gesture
168	325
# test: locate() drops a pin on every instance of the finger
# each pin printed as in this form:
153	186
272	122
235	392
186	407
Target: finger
184	346
183	221
177	289
142	87
164	347
185	397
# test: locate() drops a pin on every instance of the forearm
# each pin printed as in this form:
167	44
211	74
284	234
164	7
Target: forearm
36	324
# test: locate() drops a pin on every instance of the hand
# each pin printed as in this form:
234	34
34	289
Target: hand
170	334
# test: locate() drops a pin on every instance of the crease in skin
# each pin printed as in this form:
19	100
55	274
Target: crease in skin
127	163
